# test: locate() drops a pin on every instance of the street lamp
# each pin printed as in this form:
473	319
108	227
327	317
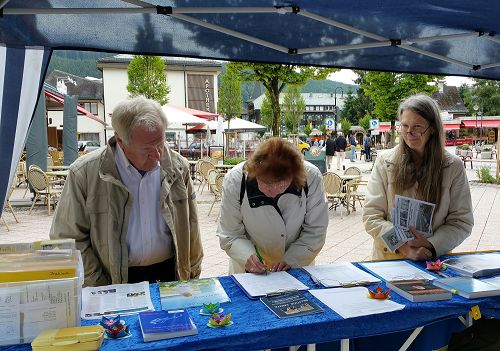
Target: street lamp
480	114
335	97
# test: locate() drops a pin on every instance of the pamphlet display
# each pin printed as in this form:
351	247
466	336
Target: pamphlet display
40	289
157	325
189	293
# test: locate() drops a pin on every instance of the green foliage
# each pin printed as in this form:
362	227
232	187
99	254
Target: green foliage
233	161
266	111
486	94
356	106
307	129
79	63
465	147
388	89
323	129
484	175
274	77
147	76
365	122
230	99
293	108
346	126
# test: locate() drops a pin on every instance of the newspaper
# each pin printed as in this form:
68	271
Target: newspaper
111	300
408	212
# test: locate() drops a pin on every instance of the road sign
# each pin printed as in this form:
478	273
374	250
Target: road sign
330	123
374	123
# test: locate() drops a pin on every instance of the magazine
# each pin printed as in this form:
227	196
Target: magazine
157	325
292	304
188	293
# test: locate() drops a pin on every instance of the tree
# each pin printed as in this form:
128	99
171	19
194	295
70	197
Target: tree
275	77
486	95
346	125
293	108
307	129
365	122
266	111
356	106
146	76
230	99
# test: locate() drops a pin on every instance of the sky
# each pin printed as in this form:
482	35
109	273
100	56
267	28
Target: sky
348	76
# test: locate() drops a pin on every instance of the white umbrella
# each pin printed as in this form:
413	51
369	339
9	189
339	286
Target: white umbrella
178	119
219	140
241	125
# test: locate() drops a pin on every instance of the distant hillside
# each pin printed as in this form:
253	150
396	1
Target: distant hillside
327	86
80	63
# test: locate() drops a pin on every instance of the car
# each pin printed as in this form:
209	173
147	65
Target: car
303	146
88	145
193	151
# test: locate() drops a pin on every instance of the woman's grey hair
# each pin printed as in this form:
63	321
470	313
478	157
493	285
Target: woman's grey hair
137	112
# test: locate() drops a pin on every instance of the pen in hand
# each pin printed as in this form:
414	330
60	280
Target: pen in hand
261	260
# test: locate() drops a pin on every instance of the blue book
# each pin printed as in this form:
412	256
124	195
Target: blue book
157	325
467	287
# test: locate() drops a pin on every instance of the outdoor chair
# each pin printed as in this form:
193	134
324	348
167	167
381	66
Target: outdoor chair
21	173
219	181
7	205
353	193
197	175
205	167
332	184
352	171
42	187
213	175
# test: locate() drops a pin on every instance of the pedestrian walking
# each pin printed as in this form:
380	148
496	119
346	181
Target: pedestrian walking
330	151
367	143
352	141
341	145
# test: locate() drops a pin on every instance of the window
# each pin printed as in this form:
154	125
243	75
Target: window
91	106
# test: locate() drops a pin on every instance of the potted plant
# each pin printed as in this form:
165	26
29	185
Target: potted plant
464	149
486	153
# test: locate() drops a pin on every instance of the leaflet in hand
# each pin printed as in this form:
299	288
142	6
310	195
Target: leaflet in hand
408	212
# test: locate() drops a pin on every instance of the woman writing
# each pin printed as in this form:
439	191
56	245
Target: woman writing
419	167
274	214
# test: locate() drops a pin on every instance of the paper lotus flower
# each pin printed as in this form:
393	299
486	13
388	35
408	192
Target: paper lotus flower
379	293
114	327
210	308
435	266
220	320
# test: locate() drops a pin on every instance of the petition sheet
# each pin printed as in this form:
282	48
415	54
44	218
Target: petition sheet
111	300
408	212
352	302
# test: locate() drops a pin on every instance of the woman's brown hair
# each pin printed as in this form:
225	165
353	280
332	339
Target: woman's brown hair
277	159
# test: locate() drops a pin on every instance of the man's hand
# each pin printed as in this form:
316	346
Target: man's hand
253	265
280	266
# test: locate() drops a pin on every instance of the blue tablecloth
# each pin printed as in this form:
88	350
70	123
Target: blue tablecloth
256	327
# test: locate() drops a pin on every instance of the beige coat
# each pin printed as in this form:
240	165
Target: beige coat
94	210
452	220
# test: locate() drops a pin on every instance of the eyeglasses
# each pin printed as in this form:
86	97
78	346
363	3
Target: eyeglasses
418	131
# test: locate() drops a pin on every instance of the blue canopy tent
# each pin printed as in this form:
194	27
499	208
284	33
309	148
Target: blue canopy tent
444	37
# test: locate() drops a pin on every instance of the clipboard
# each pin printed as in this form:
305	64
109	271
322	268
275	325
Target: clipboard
255	286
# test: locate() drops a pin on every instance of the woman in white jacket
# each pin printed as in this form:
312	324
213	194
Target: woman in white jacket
419	167
274	214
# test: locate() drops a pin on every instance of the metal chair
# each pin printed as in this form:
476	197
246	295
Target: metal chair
42	187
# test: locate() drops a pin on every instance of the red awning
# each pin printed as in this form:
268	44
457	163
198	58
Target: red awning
384	128
81	110
489	123
451	126
197	113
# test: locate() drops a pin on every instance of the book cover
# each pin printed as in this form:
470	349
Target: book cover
189	293
420	290
291	305
157	325
468	287
475	265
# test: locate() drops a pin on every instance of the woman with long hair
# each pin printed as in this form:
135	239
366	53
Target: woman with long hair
420	168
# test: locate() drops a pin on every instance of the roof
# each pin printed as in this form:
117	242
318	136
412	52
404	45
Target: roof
86	89
449	100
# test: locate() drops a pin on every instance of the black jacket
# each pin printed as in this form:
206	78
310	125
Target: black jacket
330	147
340	143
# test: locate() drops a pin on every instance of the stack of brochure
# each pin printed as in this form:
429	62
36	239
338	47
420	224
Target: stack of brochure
476	265
40	288
195	292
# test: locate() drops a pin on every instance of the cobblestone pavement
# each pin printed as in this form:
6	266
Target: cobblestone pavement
346	237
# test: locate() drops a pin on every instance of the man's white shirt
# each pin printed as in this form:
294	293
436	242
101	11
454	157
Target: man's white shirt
148	238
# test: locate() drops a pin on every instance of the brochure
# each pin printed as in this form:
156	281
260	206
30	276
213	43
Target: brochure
188	293
293	304
157	325
477	265
396	270
468	287
257	285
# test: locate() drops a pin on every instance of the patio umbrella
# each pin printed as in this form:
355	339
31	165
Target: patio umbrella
178	119
219	140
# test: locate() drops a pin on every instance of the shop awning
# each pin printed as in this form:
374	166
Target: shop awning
451	126
485	123
384	128
81	110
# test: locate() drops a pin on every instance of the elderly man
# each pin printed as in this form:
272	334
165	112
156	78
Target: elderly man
131	206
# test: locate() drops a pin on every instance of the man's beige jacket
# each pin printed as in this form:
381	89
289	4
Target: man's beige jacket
94	210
